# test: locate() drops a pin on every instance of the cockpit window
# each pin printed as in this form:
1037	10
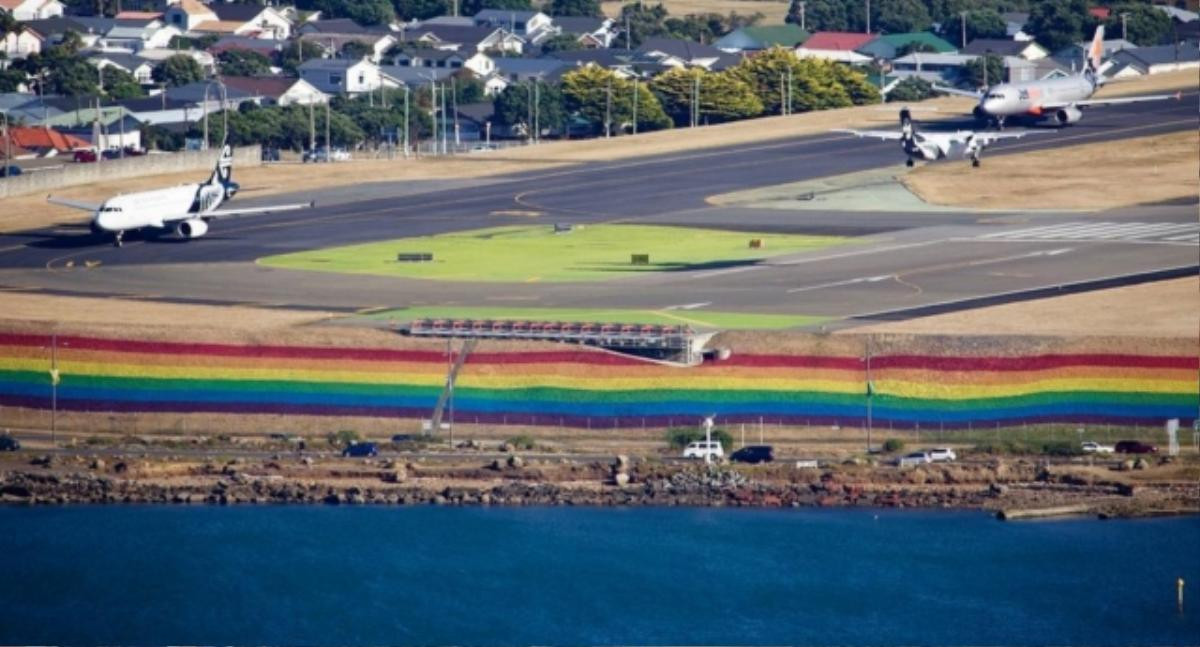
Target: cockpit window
995	95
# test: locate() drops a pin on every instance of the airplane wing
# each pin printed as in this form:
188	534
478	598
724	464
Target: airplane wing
987	138
961	93
878	134
1112	102
74	204
233	213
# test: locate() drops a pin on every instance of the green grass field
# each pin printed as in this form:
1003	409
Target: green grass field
697	319
531	253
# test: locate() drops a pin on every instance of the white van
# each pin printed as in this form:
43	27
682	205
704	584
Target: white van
704	449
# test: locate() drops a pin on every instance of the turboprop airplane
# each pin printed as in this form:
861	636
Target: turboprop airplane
187	208
935	146
1059	99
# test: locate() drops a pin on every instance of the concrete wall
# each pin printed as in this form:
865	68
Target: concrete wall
75	174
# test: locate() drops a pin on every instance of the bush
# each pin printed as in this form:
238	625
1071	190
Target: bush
343	438
679	437
1050	448
524	441
892	445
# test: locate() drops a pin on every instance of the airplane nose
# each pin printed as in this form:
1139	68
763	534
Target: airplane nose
105	222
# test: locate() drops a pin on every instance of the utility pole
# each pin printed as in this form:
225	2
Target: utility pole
868	16
405	121
328	143
1124	25
628	35
537	99
529	115
962	15
608	110
445	148
803	26
695	100
789	89
312	127
783	106
454	108
635	104
870	393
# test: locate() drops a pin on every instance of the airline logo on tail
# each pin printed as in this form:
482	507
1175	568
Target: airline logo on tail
1096	51
224	168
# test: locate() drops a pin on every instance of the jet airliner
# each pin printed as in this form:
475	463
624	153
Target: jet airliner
935	146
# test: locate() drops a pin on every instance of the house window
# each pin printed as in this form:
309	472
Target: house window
455	63
335	79
428	63
362	79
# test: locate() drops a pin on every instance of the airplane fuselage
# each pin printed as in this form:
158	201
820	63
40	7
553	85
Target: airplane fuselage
1029	98
156	208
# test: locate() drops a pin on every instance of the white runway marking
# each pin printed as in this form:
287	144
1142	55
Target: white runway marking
1165	233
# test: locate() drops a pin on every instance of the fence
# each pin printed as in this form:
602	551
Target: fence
73	174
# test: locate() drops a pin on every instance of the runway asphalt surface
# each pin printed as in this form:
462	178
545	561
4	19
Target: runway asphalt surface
898	263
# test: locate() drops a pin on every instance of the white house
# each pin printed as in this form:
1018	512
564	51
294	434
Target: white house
247	20
135	38
141	69
32	9
21	43
277	90
184	15
533	26
341	76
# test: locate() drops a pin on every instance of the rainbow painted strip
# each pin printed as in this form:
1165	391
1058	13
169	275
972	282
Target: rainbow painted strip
585	388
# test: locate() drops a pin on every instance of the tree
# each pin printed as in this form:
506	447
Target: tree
363	12
856	85
513	108
604	99
296	52
561	43
11	80
974	71
176	70
119	84
914	47
420	9
815	83
706	28
187	42
472	7
911	89
819	15
467	87
723	97
1146	25
645	21
237	62
901	16
574	8
354	50
1055	24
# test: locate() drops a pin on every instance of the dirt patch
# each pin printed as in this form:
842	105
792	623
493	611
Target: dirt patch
90	312
1165	309
1091	176
773	11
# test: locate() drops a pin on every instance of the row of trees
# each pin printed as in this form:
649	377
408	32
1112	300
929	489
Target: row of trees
590	97
376	12
1054	23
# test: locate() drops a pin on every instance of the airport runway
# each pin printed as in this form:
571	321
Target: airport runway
898	263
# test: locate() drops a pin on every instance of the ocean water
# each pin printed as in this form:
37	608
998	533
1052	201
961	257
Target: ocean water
146	575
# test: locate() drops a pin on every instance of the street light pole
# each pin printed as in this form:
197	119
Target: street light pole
962	15
635	104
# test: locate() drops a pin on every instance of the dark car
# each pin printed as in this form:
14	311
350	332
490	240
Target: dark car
360	450
10	171
1134	447
754	454
9	444
85	155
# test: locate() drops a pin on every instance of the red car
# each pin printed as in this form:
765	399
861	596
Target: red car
85	155
1135	447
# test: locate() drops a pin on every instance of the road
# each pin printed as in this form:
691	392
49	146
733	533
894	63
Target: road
899	262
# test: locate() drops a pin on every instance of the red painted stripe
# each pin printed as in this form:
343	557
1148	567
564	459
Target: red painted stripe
1030	363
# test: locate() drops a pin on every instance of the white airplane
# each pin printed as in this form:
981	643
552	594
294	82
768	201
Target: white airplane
187	208
935	146
1058	99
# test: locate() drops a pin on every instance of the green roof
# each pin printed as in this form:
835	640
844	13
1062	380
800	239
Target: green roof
900	40
788	35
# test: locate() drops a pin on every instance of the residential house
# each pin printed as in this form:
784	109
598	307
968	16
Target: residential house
136	35
141	69
889	46
246	20
52	30
837	46
277	90
1179	15
476	39
1073	56
678	53
590	32
479	63
208	95
139	15
110	128
261	46
533	26
161	110
758	38
23	107
23	10
21	43
1014	25
43	141
157	55
333	35
950	68
520	70
617	60
185	15
341	76
413	77
1028	50
1159	59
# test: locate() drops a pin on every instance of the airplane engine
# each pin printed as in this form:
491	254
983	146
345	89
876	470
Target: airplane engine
193	228
1068	115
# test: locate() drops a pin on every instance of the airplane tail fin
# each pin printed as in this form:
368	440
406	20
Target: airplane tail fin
223	171
1095	53
907	129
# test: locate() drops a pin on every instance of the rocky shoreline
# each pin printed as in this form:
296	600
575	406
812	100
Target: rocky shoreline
997	485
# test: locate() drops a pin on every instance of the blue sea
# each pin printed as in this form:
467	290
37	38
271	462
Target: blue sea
145	575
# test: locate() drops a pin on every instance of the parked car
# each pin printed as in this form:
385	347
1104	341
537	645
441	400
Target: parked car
10	170
1090	447
913	459
84	156
754	454
323	155
9	444
360	450
704	449
133	151
942	455
1134	447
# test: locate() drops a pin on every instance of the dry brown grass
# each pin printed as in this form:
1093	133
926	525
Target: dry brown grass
1163	309
773	11
1091	176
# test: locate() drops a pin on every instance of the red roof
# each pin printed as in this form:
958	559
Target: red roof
1100	12
845	41
45	138
267	86
138	15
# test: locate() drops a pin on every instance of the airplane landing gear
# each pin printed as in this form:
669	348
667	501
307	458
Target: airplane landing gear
908	162
117	238
975	162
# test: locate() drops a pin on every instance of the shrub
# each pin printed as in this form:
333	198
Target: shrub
524	441
679	437
343	438
892	445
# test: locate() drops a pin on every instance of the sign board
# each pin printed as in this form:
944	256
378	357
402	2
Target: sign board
1173	437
